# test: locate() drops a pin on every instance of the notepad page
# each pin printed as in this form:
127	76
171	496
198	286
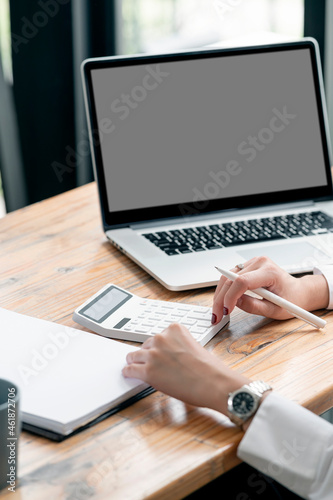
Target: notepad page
65	375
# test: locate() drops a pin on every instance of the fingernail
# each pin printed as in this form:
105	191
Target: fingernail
214	318
225	311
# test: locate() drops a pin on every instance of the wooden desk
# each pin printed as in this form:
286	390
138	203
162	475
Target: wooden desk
53	256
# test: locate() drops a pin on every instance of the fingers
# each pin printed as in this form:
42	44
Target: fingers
223	279
254	275
136	362
139	356
230	292
220	308
222	286
261	307
134	371
142	362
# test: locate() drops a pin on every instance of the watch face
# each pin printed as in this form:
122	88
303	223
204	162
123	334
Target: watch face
243	403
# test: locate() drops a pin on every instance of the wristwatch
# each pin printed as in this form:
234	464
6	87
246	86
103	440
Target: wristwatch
244	402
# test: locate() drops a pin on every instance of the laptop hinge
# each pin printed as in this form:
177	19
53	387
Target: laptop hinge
221	215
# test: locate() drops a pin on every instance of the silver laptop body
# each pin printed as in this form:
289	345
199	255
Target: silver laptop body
212	157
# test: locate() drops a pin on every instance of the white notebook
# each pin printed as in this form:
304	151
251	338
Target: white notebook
68	378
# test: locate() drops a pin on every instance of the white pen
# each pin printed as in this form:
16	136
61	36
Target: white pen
296	311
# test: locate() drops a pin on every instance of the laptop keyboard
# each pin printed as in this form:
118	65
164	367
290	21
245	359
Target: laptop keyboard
217	236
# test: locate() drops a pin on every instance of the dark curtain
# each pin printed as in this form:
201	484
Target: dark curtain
13	178
314	23
50	38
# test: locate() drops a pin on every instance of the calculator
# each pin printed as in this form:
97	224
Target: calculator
118	314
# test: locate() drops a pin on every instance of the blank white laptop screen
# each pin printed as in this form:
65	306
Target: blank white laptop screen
190	148
181	131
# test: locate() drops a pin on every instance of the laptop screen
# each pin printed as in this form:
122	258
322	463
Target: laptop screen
208	131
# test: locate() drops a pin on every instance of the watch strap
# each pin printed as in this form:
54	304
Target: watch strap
257	388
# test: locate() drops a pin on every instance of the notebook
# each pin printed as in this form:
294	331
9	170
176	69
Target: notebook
211	157
68	379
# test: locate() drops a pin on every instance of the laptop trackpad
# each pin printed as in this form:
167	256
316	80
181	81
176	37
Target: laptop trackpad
300	254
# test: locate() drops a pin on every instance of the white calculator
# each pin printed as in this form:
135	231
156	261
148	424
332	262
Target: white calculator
118	314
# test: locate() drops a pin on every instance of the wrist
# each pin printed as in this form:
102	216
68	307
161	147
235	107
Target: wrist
247	424
227	381
315	292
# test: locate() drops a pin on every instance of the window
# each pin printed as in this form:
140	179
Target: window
5	52
156	26
5	39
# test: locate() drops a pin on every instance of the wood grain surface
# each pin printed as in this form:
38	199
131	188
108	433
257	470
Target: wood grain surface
54	255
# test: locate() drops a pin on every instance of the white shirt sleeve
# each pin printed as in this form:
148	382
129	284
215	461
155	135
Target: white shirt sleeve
327	272
293	446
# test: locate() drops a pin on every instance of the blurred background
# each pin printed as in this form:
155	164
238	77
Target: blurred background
43	134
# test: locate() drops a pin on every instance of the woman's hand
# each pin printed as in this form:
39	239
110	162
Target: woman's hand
309	292
174	363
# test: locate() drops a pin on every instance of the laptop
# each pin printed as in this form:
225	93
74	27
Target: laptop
211	157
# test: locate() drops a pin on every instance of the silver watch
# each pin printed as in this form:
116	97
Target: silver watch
244	402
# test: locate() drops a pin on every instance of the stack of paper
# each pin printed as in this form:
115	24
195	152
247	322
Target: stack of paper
67	377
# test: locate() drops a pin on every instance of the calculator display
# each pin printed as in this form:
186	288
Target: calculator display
105	304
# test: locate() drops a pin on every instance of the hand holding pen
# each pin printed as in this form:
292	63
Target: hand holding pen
287	296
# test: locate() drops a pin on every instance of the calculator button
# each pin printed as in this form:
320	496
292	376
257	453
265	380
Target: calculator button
178	314
148	323
142	329
194	315
122	323
204	324
196	329
187	322
157	329
196	336
164	325
201	310
174	319
131	325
